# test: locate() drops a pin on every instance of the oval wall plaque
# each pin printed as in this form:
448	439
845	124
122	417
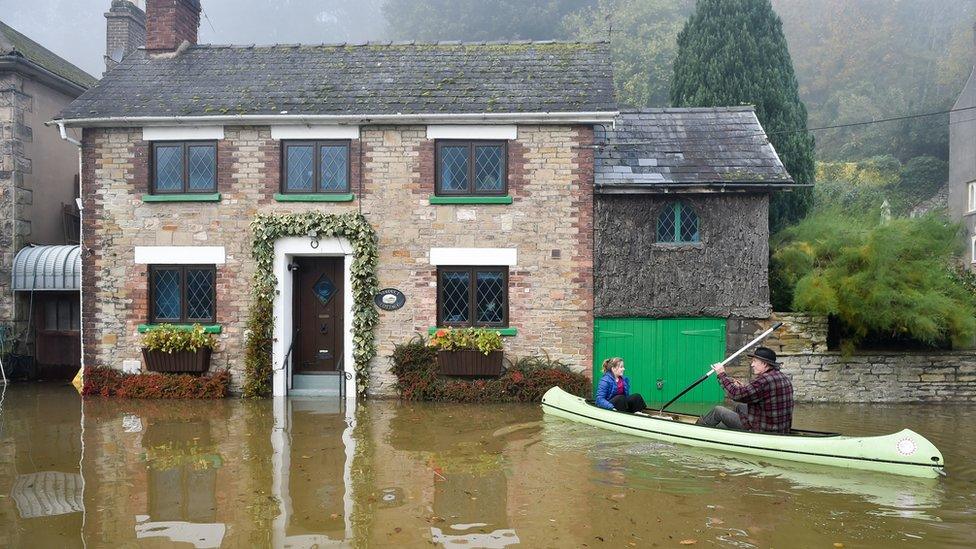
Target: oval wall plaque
389	299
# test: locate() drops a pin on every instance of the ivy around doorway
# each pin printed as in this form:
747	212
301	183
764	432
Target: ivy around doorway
267	228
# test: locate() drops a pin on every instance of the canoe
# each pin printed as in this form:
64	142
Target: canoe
902	453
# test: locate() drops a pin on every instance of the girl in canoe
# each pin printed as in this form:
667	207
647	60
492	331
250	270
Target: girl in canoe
613	392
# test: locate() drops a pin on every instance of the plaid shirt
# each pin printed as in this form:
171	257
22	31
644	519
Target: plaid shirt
769	400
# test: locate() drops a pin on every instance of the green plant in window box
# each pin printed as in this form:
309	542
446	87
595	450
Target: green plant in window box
168	348
484	340
170	339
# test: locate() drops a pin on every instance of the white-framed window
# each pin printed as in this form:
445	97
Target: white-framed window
972	196
972	250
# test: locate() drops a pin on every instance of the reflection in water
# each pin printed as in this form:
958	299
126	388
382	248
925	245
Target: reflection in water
308	472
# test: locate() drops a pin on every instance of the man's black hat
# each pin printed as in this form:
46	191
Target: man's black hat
766	355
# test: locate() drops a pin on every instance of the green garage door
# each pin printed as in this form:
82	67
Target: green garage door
663	356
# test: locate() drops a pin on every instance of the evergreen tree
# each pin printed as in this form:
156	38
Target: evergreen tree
733	52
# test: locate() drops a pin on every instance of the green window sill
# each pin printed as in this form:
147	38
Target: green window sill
505	332
207	328
348	197
188	197
507	199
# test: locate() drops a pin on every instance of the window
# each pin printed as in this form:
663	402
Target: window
972	249
972	196
472	296
62	315
182	294
471	168
184	167
677	223
315	167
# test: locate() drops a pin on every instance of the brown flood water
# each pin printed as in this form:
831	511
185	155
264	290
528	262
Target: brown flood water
309	473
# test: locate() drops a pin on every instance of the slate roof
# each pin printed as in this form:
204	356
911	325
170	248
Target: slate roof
655	148
17	45
363	79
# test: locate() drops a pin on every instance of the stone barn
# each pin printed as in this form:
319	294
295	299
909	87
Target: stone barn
681	241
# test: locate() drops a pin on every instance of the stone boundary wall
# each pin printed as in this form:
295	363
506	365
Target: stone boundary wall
883	377
820	375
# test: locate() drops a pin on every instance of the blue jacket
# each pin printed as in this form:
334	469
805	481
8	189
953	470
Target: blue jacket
607	388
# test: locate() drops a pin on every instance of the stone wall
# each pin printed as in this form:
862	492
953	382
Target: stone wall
15	195
883	377
820	375
549	222
725	274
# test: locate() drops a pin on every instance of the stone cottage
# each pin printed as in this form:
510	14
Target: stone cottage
682	252
39	224
473	164
962	164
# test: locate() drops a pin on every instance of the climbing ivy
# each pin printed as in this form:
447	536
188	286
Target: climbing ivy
267	228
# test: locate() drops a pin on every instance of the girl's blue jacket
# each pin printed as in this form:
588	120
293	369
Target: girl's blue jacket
606	389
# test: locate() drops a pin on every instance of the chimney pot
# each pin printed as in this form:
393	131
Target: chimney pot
171	22
125	31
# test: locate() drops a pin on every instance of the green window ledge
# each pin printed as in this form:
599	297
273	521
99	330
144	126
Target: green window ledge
188	197
207	328
348	197
506	332
471	199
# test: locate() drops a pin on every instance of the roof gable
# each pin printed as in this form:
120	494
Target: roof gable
370	79
15	44
653	149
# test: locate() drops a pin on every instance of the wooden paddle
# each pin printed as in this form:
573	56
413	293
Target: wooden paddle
730	358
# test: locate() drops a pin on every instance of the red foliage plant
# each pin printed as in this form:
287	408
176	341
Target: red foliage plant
110	382
525	380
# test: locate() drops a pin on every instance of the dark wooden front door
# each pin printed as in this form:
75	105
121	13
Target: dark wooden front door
318	311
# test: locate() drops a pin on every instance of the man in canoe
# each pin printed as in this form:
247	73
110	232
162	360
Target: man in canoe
765	404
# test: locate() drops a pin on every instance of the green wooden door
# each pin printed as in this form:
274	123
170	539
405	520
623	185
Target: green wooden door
663	356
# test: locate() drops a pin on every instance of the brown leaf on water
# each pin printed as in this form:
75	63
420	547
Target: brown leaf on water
838	545
688	541
715	521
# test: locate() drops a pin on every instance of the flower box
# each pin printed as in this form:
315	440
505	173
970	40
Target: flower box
469	362
178	361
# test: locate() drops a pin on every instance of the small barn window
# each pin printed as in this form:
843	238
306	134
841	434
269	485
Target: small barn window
677	223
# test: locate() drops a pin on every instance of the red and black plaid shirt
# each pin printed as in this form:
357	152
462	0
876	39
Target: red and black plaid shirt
769	400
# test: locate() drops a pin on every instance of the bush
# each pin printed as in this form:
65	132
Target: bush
485	340
525	380
171	339
891	280
110	382
257	351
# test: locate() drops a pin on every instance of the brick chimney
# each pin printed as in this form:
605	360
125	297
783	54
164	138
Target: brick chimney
125	31
169	23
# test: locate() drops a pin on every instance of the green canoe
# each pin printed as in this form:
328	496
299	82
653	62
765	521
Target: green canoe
902	453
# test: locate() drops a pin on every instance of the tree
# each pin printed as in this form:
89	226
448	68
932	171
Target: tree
733	52
642	43
474	20
892	280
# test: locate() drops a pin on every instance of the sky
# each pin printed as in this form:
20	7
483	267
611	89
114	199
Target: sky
75	29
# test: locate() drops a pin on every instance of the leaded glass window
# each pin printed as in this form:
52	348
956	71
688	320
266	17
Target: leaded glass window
182	294
472	168
677	223
472	296
184	167
315	167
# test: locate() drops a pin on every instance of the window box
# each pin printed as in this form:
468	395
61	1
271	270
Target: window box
315	168
183	168
469	362
471	168
194	197
322	197
196	362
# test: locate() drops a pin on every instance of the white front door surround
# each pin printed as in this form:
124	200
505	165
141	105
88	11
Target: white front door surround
285	249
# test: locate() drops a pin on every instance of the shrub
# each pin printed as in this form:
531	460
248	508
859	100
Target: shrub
890	280
171	339
258	343
111	382
485	340
525	380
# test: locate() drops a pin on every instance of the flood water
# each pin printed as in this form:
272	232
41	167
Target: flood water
310	473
